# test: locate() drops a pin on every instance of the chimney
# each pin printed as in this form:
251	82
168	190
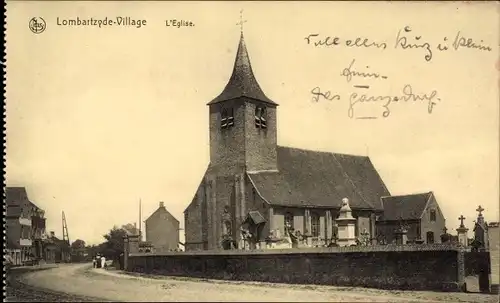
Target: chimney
135	225
52	234
162	205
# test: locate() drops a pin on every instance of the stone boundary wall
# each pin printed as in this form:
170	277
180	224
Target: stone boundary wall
369	248
416	267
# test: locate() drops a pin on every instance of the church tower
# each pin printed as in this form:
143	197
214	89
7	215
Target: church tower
242	123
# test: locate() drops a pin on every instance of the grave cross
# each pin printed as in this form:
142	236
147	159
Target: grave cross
461	218
445	230
480	209
241	21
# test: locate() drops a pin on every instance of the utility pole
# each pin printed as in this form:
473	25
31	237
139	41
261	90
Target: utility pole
65	229
140	220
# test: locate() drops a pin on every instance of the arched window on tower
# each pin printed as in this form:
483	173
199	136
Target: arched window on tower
260	117
226	118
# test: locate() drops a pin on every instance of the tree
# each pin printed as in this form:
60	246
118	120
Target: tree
78	244
113	246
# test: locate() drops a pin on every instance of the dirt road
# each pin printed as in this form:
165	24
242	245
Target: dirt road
82	280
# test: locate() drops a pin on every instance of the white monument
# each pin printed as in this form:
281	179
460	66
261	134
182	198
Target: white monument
346	225
462	232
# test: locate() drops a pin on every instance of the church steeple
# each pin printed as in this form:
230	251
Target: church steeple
242	82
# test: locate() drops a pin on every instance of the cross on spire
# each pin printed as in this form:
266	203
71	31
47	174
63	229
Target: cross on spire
479	210
241	21
461	218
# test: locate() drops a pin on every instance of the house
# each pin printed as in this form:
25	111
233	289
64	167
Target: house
162	230
56	250
18	226
420	214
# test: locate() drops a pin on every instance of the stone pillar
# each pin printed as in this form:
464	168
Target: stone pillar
237	209
329	225
216	239
373	229
401	236
307	222
346	225
494	246
126	251
462	236
322	233
209	206
271	219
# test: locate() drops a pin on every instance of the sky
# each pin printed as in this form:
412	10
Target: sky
100	118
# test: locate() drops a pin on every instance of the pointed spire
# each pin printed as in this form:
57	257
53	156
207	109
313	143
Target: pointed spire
242	82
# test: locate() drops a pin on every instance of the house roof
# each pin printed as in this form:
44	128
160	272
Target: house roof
160	210
242	82
405	207
321	179
15	199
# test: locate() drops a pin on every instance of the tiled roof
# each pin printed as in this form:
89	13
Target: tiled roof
242	82
407	207
16	198
321	179
160	210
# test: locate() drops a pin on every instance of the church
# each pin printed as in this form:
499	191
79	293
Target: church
255	189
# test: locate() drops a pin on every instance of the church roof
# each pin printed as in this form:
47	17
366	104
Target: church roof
242	82
405	207
320	179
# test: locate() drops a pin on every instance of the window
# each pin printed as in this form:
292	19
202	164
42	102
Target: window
288	221
260	117
314	224
430	237
433	215
254	195
226	118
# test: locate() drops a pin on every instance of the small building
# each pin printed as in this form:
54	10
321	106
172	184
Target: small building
56	250
162	230
419	213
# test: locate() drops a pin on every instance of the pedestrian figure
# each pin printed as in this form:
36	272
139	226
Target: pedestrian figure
94	262
103	262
